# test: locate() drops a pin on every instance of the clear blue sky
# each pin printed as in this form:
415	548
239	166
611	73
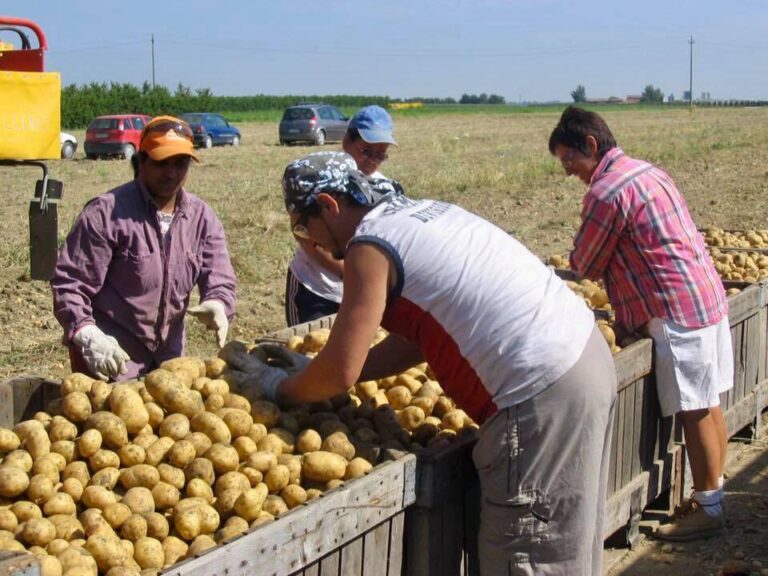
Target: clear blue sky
531	50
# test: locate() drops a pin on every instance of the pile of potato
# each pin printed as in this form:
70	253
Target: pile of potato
736	239
740	266
125	479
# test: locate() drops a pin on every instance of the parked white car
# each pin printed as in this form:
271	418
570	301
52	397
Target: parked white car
68	145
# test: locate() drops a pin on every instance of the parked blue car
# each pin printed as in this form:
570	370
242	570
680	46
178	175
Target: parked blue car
211	130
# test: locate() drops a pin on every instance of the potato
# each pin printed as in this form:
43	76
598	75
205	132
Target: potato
50	566
148	552
443	405
170	392
234	526
139	475
185	368
116	514
124	571
271	443
172	475
76	406
223	457
262	461
232	480
357	467
257	432
238	421
315	340
37	444
25	510
131	455
60	503
13	481
454	420
338	443
200	468
40	488
244	446
73	488
174	550
76	382
103	458
77	561
410	417
77	470
248	504
8	521
144	441
399	396
236	401
308	441
126	403
192	517
61	429
214	367
134	528
293	495
200	544
98	497
66	448
99	395
113	431
157	526
212	426
107	477
19	459
322	466
293	463
199	488
175	426
181	453
274	505
9	441
165	495
38	531
200	441
107	551
139	499
277	478
265	412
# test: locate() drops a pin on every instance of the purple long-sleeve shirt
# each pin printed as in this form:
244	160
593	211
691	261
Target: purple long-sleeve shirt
116	271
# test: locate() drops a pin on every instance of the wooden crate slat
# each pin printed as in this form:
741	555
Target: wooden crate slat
640	423
329	566
752	327
376	545
309	532
620	439
352	557
633	362
614	451
744	304
629	430
396	539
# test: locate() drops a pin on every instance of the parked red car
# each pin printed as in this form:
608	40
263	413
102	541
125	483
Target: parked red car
116	135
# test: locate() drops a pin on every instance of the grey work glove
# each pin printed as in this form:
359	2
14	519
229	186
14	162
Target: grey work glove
290	361
213	315
252	370
101	352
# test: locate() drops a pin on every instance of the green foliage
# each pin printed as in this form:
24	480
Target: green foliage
580	94
481	99
652	95
80	104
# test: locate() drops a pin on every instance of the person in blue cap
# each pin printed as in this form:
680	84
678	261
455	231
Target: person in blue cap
313	287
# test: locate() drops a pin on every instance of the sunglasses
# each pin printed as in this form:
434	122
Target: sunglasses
179	127
300	228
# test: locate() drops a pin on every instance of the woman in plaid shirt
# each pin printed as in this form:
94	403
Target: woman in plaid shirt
638	236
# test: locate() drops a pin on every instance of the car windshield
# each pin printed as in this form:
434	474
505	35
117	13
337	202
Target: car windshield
192	118
298	114
104	124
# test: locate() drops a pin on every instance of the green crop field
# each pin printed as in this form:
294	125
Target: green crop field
492	160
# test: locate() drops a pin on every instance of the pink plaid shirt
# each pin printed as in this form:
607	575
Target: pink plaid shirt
637	235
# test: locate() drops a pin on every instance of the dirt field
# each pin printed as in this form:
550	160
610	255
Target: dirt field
497	166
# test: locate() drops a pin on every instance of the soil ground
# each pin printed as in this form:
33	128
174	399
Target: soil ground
743	552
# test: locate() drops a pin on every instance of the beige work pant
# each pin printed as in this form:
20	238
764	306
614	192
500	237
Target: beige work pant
543	467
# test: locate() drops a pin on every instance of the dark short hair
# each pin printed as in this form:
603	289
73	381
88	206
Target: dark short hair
575	125
135	161
353	134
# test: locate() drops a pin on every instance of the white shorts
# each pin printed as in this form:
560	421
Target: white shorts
693	365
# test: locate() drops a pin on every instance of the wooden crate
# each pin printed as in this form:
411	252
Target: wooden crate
356	529
748	318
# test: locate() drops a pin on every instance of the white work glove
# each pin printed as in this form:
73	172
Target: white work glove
213	314
101	352
290	361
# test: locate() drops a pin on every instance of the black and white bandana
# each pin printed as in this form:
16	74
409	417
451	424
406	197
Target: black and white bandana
332	172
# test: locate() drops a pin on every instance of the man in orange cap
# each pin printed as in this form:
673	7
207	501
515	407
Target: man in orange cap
123	278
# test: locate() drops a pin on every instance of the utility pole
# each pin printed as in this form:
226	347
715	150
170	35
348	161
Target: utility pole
690	76
153	61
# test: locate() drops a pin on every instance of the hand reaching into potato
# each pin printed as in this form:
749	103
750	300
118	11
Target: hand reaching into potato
285	358
254	368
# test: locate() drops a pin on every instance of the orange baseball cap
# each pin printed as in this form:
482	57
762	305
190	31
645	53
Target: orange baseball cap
167	136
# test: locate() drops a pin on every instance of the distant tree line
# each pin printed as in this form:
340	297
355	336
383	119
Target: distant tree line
80	104
481	99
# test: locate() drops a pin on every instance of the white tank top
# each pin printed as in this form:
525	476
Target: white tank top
495	324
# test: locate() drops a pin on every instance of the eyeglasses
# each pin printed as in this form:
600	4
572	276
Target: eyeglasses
300	228
180	128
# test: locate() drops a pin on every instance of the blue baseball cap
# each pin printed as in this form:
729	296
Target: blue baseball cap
374	125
